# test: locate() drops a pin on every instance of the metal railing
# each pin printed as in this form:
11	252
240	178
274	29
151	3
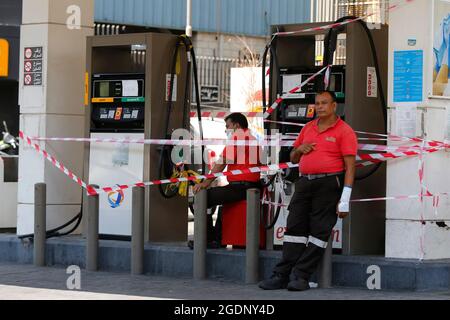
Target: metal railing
214	76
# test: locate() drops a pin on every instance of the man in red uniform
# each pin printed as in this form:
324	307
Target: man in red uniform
326	150
236	158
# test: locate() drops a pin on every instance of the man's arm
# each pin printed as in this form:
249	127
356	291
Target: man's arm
218	167
343	208
297	153
349	162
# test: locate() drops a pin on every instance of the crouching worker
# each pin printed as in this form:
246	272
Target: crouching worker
235	158
326	150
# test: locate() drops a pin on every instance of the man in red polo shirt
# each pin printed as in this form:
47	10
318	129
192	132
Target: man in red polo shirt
235	157
326	149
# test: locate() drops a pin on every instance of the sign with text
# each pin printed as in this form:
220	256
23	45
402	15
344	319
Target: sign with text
33	66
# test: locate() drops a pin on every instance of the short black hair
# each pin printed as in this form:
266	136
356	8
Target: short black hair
238	118
331	93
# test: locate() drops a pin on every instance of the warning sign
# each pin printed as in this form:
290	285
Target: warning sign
32	79
372	88
33	66
168	87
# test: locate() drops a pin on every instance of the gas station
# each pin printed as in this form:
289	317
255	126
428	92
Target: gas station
140	86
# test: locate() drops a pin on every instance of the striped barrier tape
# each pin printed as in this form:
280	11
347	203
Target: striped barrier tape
335	25
274	167
436	199
223	114
277	102
287	141
57	164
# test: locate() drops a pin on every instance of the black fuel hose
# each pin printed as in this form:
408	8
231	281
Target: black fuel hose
164	159
331	41
55	232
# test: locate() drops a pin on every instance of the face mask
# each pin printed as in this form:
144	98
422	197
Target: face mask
229	133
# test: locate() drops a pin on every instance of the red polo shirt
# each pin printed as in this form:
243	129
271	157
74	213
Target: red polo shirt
242	157
332	145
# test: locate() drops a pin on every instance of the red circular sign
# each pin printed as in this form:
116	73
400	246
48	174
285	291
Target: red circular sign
28	53
27	66
27	79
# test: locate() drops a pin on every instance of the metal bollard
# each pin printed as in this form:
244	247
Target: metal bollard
137	231
200	203
40	222
252	237
325	270
92	233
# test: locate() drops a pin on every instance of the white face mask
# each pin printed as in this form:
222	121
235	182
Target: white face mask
229	133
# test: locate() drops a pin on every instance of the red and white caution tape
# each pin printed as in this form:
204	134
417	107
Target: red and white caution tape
272	167
335	25
57	164
418	196
223	114
277	102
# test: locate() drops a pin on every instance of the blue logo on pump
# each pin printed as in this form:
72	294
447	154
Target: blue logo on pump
115	198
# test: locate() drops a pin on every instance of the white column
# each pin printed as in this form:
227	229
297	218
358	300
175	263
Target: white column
54	108
406	236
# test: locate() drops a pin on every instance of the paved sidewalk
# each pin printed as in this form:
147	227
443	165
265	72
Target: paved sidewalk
29	282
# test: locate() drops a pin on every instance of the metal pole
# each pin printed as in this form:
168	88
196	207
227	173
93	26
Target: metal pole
325	271
252	237
189	18
137	231
40	208
200	204
92	234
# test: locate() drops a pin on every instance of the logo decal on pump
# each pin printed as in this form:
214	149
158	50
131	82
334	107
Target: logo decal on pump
115	198
118	114
311	111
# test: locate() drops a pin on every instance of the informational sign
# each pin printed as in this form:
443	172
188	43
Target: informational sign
372	84
174	90
441	50
408	76
209	93
33	66
406	119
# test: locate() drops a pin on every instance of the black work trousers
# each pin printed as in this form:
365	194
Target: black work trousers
223	195
312	216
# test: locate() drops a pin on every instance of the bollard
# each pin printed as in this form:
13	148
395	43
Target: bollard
325	267
137	231
92	232
40	232
200	203
252	237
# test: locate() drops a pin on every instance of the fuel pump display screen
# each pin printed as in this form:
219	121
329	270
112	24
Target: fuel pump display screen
118	88
118	102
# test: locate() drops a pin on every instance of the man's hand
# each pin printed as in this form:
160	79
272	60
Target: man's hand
202	185
343	207
306	148
342	214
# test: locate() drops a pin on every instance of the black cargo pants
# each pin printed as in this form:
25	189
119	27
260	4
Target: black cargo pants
312	216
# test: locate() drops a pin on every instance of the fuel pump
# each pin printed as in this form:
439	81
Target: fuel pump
137	93
293	60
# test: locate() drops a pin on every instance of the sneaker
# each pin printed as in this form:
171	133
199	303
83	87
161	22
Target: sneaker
298	284
276	282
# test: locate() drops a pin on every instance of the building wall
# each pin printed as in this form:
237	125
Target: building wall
249	17
227	46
